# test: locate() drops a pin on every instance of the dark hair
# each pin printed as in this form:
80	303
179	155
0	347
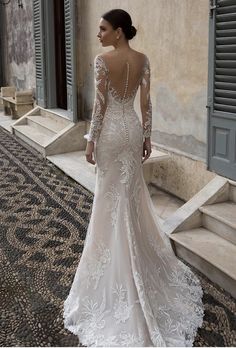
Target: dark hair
120	18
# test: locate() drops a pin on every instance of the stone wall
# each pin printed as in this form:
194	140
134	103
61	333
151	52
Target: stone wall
19	45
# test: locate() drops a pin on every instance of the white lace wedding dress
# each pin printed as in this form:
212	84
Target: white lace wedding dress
129	288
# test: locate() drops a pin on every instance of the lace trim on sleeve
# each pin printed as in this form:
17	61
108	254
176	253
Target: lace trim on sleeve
146	101
99	108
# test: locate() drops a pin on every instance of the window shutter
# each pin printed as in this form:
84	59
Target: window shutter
222	88
225	57
69	6
38	9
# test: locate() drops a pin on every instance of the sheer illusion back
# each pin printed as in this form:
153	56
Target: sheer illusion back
118	81
129	288
124	76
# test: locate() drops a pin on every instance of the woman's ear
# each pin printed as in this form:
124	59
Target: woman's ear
119	31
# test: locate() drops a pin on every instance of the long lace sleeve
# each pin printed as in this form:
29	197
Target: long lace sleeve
145	100
100	99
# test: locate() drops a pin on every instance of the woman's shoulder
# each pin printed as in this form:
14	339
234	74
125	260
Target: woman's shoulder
99	57
138	53
99	62
112	53
109	56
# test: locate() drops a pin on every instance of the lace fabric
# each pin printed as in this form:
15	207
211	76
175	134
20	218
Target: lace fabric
99	108
103	86
145	100
129	288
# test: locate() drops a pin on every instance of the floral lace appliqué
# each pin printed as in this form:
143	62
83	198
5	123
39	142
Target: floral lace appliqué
121	307
97	264
113	199
128	166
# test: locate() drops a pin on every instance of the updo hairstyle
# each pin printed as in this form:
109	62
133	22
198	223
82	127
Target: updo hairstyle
120	18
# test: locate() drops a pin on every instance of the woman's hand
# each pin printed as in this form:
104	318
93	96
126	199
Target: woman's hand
89	152
147	149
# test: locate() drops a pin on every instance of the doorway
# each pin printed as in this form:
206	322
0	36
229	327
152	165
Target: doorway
55	55
60	54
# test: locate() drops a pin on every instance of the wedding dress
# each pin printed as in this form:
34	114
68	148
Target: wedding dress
129	288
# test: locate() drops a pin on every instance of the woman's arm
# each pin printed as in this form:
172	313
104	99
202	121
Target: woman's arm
99	108
146	108
145	100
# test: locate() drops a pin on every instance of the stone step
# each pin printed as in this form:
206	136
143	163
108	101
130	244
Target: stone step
232	191
156	155
49	132
209	253
59	115
41	124
221	219
74	164
164	202
50	124
32	136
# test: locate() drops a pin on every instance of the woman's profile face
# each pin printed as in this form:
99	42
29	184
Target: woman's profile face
106	35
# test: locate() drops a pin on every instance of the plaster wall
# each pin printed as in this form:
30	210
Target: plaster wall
174	35
19	45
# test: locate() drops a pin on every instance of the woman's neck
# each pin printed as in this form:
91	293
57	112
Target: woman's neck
122	45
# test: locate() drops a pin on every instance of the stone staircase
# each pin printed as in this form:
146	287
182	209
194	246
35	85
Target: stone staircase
204	232
220	218
50	133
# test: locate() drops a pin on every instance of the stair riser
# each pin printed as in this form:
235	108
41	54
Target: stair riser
41	127
220	228
212	272
232	193
57	118
30	142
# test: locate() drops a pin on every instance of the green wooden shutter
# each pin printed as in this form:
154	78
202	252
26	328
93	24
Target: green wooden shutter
222	88
39	37
69	6
225	57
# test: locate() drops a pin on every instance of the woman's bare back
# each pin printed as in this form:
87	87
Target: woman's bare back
125	70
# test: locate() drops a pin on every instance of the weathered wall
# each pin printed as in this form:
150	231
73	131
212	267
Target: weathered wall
19	45
2	76
174	35
181	175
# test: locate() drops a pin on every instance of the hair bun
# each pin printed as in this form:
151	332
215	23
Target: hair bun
132	32
120	18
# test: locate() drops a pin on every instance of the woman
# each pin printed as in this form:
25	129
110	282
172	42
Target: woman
129	288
